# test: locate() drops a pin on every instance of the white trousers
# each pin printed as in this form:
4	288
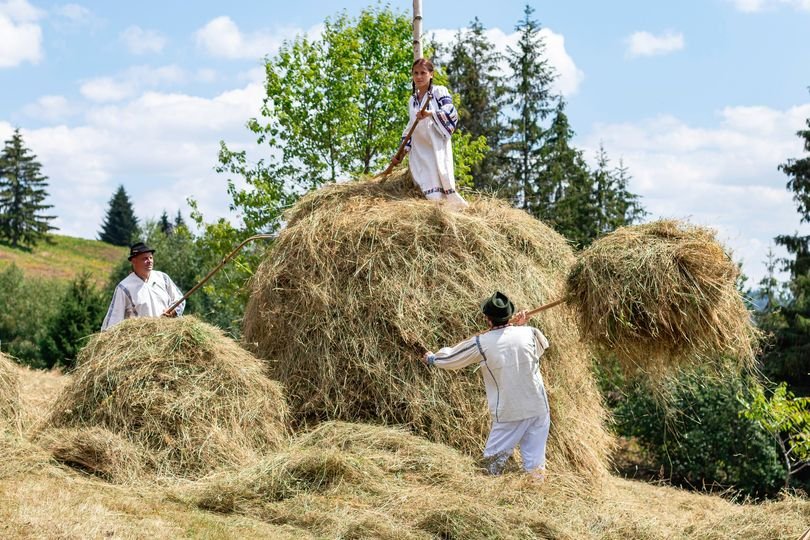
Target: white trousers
530	434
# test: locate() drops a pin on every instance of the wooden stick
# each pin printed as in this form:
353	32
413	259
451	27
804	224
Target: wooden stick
535	311
401	151
171	308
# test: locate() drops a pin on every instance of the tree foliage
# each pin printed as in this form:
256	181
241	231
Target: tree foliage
789	357
699	436
473	73
22	195
787	419
120	223
28	305
529	95
79	314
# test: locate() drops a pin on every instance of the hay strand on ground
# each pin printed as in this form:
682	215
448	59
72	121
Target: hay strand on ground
659	295
366	277
187	396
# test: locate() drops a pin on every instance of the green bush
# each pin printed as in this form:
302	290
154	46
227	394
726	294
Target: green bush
26	306
698	435
79	315
693	427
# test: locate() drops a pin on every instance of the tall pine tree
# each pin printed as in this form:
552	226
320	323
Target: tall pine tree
472	71
22	192
529	96
789	359
120	224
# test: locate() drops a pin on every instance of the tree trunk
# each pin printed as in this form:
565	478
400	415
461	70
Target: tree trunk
417	29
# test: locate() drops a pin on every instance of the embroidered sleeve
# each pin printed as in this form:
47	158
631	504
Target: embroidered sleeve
444	112
458	356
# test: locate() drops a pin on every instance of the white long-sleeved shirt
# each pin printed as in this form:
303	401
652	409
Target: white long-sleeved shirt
134	297
510	361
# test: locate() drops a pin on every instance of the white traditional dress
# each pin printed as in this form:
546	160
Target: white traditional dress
431	152
509	357
134	297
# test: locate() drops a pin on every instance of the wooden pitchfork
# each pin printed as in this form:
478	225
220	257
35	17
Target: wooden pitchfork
170	309
401	151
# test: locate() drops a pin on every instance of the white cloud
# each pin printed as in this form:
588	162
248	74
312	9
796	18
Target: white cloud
20	36
647	44
20	10
569	76
140	41
161	146
755	6
129	83
75	13
50	109
725	177
222	38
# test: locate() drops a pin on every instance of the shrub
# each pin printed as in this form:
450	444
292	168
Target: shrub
79	315
27	306
699	436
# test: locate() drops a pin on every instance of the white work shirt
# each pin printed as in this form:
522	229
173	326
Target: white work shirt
509	358
134	297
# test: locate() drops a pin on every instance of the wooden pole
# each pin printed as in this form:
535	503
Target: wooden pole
417	29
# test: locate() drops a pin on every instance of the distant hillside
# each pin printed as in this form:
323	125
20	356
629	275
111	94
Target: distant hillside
64	257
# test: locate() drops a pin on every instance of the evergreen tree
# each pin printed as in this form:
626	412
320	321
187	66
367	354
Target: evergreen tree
22	192
529	95
120	224
472	72
179	221
616	206
165	226
564	197
80	314
789	359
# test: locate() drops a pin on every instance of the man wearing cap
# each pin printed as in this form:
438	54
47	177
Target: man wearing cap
144	292
509	356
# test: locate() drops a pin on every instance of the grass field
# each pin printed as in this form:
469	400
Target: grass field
63	258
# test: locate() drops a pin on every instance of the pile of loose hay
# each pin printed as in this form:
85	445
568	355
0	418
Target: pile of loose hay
177	390
9	396
366	277
661	294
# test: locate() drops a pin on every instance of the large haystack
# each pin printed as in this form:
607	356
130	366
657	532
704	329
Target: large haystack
187	397
9	396
661	294
366	277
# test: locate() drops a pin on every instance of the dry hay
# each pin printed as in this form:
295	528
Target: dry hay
366	277
346	480
661	294
9	396
97	451
178	390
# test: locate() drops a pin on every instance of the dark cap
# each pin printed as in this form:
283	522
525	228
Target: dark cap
498	308
137	249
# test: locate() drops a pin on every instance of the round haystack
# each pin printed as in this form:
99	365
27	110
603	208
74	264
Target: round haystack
181	392
9	395
368	276
661	294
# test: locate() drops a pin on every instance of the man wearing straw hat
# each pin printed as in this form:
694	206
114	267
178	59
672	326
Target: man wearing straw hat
144	292
509	356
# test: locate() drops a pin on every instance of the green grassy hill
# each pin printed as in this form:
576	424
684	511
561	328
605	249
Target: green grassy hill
64	257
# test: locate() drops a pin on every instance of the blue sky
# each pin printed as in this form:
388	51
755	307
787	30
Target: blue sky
701	99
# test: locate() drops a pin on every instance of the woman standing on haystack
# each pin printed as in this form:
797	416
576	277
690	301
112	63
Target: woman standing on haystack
430	148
